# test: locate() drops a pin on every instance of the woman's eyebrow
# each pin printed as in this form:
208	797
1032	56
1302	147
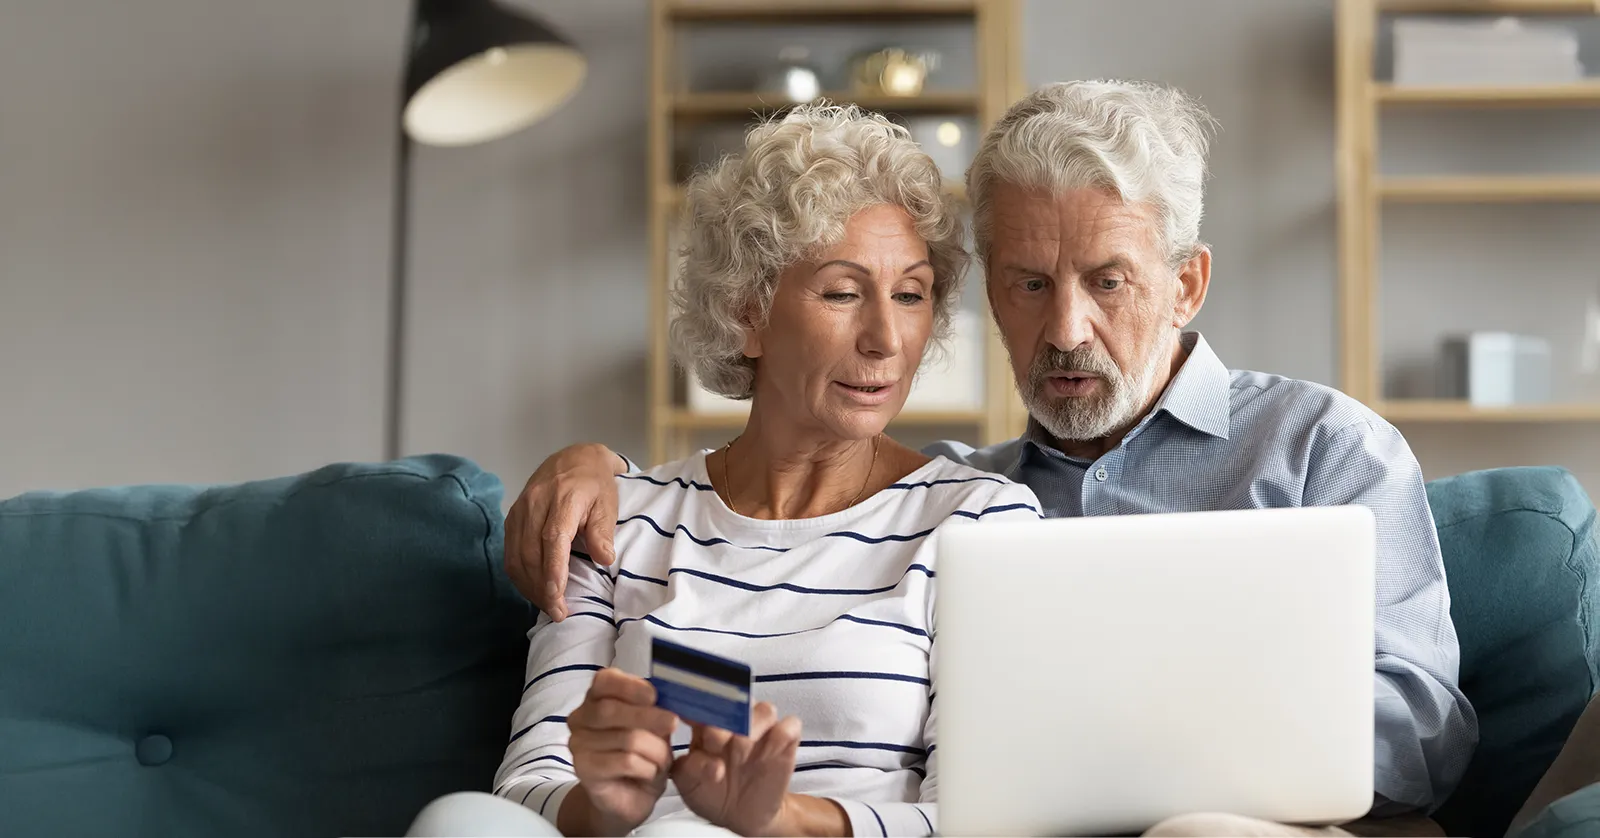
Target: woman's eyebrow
846	263
923	263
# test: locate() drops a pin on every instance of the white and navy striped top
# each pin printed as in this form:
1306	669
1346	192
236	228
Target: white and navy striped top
833	614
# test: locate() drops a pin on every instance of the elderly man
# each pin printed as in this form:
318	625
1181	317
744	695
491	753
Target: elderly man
1087	200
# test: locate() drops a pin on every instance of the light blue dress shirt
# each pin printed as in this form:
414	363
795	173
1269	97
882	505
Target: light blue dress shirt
1220	439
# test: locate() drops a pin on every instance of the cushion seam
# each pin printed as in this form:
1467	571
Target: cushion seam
488	531
1549	513
275	499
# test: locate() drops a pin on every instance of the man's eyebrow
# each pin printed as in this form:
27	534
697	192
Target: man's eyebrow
1121	262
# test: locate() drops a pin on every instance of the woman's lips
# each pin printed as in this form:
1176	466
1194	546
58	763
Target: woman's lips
870	395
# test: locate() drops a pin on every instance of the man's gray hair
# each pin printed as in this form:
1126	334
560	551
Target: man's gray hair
1143	142
801	178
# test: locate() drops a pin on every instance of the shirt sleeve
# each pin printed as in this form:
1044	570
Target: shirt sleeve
1426	730
1011	502
562	661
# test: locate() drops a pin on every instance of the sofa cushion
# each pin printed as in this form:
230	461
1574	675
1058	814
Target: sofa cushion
1575	816
1523	566
310	656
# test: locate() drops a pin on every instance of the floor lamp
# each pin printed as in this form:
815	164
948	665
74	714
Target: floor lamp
475	71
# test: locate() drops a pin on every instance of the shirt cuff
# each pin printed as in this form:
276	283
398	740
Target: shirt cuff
868	820
864	822
542	796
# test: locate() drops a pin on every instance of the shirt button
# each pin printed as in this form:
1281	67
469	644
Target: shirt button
1100	474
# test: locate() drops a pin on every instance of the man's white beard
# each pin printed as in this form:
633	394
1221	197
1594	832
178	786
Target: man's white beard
1084	419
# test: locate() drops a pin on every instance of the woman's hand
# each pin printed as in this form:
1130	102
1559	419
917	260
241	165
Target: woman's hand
621	751
740	783
575	488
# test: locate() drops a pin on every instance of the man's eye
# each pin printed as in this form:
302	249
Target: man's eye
1033	285
1108	283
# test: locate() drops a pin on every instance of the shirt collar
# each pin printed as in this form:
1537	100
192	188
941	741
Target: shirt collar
1199	396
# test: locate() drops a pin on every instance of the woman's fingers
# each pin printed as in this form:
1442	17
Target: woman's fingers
783	740
612	714
712	740
643	743
614	683
620	765
762	717
699	767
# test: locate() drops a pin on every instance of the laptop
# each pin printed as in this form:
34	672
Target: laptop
1099	675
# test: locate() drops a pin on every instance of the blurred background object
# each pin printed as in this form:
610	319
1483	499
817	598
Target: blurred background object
475	73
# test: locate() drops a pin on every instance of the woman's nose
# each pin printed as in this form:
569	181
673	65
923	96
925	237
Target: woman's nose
880	334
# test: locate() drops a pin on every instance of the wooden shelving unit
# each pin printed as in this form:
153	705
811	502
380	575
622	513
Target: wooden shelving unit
1430	410
1513	96
1490	7
1491	189
998	83
1363	191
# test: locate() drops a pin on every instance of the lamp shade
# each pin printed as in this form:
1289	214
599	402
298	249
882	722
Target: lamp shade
478	72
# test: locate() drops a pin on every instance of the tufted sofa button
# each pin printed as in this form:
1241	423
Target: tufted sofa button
154	749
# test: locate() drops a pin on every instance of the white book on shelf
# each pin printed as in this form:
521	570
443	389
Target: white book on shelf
1505	51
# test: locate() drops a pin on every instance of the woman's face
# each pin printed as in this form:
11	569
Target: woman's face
847	330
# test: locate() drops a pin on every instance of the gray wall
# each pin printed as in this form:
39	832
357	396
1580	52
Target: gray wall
194	234
531	262
193	224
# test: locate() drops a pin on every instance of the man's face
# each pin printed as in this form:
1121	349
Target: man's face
1087	305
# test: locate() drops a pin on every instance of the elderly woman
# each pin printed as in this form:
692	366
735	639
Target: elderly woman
819	266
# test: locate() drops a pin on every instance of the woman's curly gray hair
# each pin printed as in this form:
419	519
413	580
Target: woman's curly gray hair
788	197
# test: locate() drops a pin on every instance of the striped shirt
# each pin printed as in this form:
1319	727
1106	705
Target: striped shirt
1220	439
834	615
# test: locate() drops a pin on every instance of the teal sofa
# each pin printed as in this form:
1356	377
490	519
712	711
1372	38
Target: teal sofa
313	656
321	655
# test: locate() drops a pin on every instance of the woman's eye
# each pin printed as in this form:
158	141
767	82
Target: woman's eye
839	296
909	298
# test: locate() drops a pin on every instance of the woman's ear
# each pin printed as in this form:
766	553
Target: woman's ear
752	335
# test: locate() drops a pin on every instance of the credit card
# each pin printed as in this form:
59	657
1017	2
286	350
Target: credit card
700	687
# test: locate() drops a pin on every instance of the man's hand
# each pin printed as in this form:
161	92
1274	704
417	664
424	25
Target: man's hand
574	490
740	783
621	747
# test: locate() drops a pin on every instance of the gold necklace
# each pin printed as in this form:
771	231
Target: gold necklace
727	483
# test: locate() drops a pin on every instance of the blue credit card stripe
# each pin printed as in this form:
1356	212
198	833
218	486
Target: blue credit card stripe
703	708
696	681
701	663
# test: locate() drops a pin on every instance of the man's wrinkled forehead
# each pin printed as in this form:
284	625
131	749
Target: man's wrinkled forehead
1083	227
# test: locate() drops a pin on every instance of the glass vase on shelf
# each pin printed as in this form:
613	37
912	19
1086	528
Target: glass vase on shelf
794	79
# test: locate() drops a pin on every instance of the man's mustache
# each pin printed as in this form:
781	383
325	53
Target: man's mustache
1082	360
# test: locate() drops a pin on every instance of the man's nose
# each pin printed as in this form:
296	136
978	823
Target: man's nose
1071	319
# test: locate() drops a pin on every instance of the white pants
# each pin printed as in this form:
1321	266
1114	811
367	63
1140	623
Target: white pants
473	814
